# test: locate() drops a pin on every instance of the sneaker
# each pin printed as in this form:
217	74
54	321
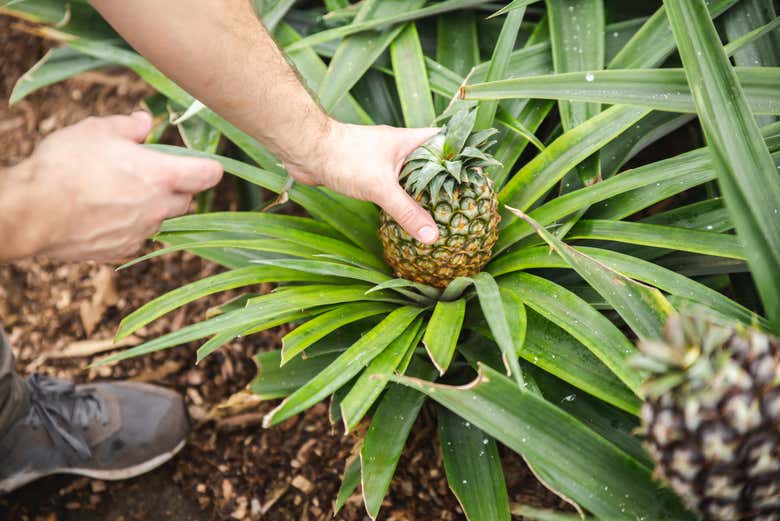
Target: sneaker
105	431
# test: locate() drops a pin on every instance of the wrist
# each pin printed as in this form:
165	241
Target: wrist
21	223
312	157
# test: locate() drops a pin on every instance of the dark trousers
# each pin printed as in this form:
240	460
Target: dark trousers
13	391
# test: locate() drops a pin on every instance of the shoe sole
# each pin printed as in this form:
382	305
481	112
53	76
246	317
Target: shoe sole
15	482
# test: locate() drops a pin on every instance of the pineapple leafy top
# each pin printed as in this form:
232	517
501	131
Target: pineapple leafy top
696	351
455	156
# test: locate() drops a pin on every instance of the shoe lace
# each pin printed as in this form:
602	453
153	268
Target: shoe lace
57	406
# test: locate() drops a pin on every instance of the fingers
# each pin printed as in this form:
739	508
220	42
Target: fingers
188	175
134	127
406	212
411	138
165	207
176	205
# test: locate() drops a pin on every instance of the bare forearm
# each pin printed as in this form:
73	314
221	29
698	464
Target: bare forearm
219	52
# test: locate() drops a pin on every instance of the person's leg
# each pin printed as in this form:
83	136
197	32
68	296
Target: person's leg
112	430
14	402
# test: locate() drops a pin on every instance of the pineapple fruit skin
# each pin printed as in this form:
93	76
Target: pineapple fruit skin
468	230
715	435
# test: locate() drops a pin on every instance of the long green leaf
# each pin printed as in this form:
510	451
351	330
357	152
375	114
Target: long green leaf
555	351
349	483
749	18
385	19
538	514
664	279
643	308
457	52
328	268
541	173
508	331
473	468
747	174
580	320
614	425
658	89
704	242
182	336
753	41
654	41
299	230
577	37
310	295
396	284
368	387
627	193
273	14
273	381
499	63
264	245
347	365
256	325
386	436
294	342
592	472
208	286
56	65
442	332
357	53
511	6
312	70
269	224
411	78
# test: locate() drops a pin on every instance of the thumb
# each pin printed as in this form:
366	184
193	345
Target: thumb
410	215
411	138
186	175
134	127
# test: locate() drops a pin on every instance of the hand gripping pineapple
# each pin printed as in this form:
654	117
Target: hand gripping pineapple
712	417
447	176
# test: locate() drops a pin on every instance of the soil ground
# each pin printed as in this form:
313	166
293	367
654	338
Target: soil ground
232	468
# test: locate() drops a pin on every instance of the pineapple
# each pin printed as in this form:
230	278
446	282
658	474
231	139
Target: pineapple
712	417
448	177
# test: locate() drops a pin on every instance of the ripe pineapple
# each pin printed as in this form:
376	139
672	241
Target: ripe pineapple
447	177
712	417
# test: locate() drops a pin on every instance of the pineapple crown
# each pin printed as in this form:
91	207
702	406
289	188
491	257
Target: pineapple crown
454	156
695	352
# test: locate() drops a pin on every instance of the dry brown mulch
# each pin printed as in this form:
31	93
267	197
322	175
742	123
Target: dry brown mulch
232	468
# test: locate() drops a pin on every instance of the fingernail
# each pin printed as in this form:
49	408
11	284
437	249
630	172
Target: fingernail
427	234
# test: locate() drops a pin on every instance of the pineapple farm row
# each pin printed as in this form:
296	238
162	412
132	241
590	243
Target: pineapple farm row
568	236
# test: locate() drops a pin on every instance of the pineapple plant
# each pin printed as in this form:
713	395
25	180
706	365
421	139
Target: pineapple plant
712	416
448	177
540	310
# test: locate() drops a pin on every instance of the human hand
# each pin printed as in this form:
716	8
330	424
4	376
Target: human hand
92	192
364	162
